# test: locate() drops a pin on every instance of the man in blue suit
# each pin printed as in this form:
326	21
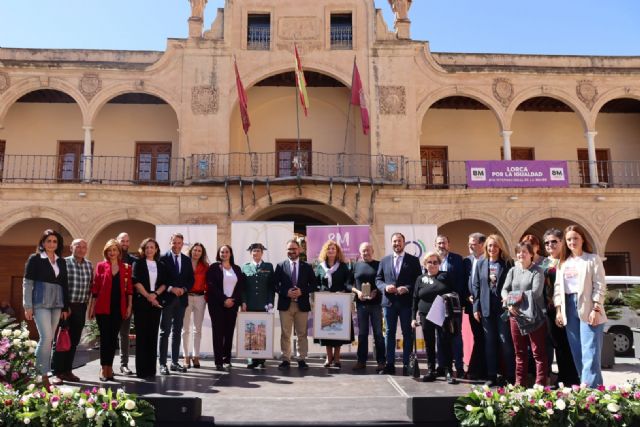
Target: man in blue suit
181	280
452	263
396	278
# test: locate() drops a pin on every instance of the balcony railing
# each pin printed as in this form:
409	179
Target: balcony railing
259	37
341	37
280	166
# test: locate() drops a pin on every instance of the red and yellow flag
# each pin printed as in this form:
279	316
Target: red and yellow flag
301	82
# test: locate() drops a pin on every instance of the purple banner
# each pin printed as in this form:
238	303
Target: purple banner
348	237
516	173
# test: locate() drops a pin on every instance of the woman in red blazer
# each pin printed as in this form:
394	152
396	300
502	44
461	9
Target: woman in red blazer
110	303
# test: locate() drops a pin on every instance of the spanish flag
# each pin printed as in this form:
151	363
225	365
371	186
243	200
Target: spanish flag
301	82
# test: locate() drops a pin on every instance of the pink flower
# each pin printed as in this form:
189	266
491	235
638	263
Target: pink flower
591	399
548	404
575	387
488	395
601	388
617	417
612	388
547	389
104	405
14	376
586	406
500	390
636	395
94	390
114	404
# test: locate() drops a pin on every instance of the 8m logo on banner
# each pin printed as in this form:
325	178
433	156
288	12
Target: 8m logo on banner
478	174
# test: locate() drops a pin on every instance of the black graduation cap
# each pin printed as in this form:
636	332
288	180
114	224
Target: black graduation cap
256	246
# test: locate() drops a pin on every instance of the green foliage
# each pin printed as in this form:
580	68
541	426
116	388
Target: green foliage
632	298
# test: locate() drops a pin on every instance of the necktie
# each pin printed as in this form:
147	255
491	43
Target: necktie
397	266
177	264
294	275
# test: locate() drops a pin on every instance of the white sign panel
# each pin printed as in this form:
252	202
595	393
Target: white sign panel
273	235
419	238
205	234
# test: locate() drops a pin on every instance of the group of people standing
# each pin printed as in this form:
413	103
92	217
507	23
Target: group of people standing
535	305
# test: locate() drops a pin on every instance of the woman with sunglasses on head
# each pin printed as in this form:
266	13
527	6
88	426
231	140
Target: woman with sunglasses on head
579	293
428	286
557	336
194	314
491	272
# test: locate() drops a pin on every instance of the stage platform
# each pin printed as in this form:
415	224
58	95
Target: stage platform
271	396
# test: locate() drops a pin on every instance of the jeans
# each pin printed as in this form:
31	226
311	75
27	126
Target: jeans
370	314
46	321
497	335
391	315
63	360
585	342
171	323
197	306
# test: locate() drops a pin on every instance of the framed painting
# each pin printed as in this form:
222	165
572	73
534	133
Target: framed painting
332	316
255	335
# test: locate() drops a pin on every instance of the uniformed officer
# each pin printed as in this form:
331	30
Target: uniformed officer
260	288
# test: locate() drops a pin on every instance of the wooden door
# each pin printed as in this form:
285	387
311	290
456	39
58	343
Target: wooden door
153	162
519	153
289	161
434	165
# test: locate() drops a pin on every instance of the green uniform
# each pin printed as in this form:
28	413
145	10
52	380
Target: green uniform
259	290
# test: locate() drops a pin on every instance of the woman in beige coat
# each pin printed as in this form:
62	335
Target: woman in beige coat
579	294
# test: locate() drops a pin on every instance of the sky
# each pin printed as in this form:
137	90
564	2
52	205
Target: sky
552	27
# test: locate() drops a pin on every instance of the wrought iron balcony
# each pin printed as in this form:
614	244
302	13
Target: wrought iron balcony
281	166
259	37
341	37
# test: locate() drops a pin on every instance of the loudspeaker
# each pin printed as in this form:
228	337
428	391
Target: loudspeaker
435	410
175	409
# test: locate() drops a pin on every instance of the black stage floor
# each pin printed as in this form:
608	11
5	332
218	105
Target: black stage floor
271	396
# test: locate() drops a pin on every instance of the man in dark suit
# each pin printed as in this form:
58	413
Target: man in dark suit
396	278
294	282
180	281
453	265
477	364
123	241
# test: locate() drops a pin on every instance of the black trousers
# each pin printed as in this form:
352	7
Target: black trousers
567	372
223	322
477	363
109	326
429	331
62	361
147	329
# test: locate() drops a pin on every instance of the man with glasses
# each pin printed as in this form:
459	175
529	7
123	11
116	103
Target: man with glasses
477	364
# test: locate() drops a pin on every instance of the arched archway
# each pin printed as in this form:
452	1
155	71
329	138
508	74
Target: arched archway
546	127
458	233
621	250
303	212
136	229
18	242
540	227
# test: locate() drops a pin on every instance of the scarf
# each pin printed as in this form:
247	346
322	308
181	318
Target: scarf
329	271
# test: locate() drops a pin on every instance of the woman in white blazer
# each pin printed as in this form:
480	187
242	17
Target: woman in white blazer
579	294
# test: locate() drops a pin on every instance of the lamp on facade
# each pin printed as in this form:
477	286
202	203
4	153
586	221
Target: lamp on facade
513	198
82	194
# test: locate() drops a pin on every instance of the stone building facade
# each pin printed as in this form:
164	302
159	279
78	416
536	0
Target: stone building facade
96	142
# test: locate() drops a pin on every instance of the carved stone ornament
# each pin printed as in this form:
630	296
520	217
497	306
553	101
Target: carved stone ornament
393	100
304	30
90	84
587	92
5	82
204	100
503	91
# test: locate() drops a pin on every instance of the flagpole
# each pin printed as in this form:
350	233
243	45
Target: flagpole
295	98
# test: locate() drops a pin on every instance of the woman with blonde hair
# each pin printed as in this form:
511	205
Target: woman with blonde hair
111	293
579	293
332	275
490	275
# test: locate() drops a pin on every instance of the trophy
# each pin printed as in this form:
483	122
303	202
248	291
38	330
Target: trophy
366	290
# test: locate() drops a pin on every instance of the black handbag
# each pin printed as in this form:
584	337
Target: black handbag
414	365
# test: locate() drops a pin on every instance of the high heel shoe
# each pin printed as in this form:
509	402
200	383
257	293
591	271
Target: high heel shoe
327	363
104	374
196	362
187	362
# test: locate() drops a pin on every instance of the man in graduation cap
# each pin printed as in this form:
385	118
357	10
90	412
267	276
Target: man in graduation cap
259	290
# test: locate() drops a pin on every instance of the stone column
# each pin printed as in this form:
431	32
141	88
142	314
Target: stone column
195	27
506	143
593	164
403	29
87	155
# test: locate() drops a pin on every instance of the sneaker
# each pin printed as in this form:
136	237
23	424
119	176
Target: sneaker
359	366
284	364
124	370
302	364
164	370
178	367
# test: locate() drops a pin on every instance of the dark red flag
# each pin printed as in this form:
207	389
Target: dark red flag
358	97
242	100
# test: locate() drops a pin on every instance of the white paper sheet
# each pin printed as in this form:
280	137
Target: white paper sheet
437	312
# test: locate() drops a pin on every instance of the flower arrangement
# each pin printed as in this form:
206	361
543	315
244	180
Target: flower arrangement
542	406
67	406
23	403
17	354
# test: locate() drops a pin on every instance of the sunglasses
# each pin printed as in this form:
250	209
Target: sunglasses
550	242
